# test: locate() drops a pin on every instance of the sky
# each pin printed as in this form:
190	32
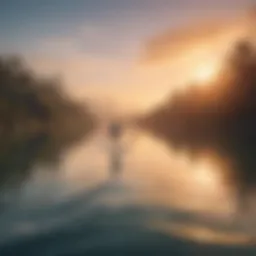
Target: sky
97	47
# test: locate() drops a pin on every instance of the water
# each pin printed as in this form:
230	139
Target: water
63	200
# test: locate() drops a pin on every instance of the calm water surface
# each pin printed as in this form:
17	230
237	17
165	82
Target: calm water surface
163	202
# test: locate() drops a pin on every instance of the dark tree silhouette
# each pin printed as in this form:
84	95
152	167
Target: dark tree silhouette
31	104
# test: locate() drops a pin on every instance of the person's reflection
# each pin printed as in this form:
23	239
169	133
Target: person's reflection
115	132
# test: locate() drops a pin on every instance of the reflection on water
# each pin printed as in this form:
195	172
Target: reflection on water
163	201
173	178
233	154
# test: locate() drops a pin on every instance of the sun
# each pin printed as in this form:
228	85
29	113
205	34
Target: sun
205	73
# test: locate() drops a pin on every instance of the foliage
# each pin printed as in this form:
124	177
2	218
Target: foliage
30	104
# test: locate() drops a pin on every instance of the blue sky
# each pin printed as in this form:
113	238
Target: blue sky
24	23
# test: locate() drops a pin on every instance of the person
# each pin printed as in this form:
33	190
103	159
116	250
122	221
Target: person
115	130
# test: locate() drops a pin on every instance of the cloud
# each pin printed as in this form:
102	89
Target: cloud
204	33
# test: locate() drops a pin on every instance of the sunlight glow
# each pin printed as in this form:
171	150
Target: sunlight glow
206	175
205	73
203	234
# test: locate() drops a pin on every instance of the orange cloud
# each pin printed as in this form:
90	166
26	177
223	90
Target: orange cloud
201	34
